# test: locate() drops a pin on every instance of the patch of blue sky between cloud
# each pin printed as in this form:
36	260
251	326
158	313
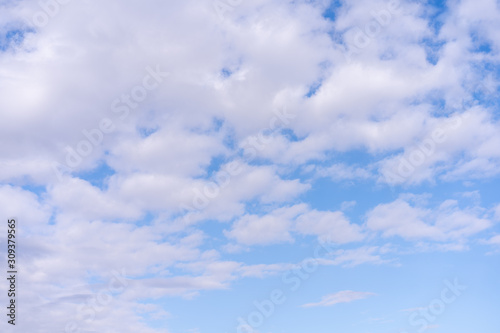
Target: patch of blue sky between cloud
433	48
216	164
326	194
226	73
480	44
314	88
145	132
331	12
324	67
97	176
435	102
39	190
147	219
289	134
11	38
435	11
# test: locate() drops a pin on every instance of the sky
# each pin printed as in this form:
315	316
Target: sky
235	166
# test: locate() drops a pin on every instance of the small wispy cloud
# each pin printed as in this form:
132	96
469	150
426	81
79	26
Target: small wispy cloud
345	296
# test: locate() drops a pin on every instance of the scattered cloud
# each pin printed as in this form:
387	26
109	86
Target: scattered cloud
345	296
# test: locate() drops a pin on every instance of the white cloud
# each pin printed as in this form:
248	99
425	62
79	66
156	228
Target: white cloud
279	225
79	198
497	213
495	240
32	214
171	150
268	229
333	226
399	218
448	222
64	77
339	172
358	256
345	296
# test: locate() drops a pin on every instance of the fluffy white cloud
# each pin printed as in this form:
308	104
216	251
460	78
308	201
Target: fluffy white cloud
80	199
457	147
279	225
170	150
227	78
333	226
447	222
268	229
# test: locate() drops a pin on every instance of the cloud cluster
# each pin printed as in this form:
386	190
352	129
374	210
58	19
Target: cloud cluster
407	98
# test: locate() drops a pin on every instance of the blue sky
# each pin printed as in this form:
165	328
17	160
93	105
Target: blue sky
252	166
